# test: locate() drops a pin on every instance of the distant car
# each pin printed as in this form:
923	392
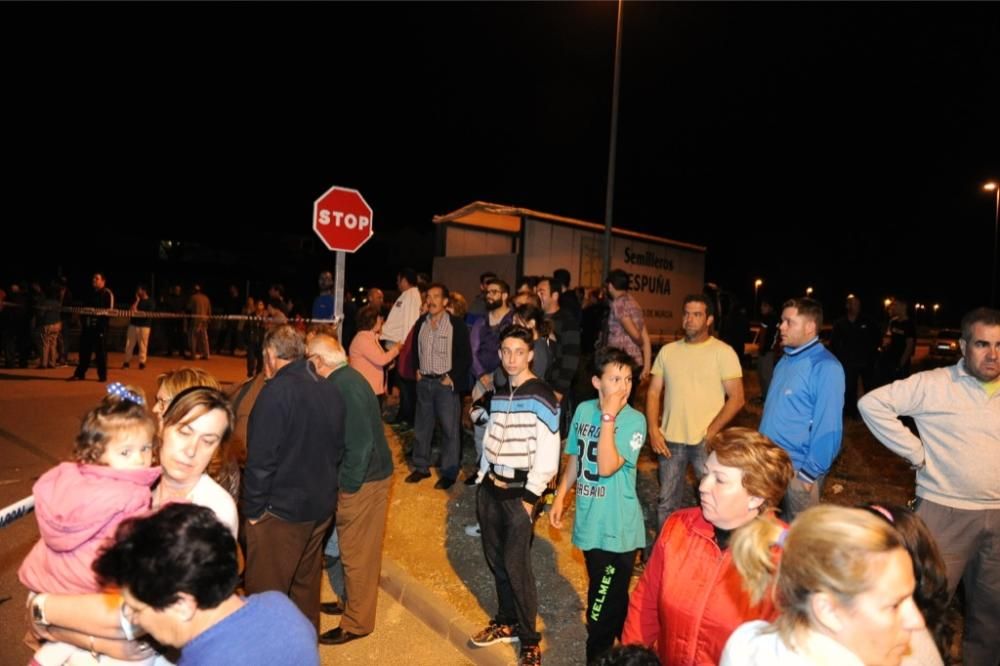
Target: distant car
944	346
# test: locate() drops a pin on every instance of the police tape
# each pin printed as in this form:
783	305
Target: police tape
151	314
9	514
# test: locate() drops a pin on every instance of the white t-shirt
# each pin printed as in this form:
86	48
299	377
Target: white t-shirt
405	312
753	644
210	494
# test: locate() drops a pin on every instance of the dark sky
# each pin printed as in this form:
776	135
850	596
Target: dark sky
841	146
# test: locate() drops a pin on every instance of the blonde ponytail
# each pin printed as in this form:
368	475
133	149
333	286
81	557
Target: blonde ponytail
752	550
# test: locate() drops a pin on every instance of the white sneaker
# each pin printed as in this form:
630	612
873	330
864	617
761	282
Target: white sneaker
473	530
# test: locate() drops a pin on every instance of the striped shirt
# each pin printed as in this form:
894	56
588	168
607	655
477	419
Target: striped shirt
434	346
523	435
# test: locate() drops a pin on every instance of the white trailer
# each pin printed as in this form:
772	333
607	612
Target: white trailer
513	242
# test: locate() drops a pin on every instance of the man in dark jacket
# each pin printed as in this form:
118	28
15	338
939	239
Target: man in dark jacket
93	332
443	358
295	444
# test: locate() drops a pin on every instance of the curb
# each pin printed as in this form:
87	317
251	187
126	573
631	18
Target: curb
439	616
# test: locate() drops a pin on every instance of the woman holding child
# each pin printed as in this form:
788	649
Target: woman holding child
196	423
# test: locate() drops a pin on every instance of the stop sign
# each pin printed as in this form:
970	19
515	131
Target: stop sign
343	219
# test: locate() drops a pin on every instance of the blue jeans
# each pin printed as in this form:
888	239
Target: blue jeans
437	403
673	473
335	566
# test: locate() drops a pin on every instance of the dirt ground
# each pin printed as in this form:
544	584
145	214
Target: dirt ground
426	533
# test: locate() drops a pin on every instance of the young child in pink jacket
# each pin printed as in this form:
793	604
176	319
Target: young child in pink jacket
79	504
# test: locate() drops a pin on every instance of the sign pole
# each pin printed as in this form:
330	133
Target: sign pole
343	221
338	295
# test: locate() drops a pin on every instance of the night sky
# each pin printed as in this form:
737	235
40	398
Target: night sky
839	146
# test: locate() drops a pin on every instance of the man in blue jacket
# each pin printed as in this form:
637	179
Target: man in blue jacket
803	410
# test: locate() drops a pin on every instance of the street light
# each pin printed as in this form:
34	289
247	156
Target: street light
993	187
809	291
756	286
609	199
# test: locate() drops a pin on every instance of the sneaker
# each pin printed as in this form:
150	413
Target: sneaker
125	365
531	655
142	366
473	530
494	633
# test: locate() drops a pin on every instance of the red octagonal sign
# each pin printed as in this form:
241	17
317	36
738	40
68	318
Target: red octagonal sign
343	219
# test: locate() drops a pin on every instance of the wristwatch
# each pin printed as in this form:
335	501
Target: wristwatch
38	609
607	418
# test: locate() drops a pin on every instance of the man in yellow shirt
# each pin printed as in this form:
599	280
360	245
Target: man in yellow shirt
699	383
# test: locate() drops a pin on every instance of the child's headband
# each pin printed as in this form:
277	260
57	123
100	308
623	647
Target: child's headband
118	389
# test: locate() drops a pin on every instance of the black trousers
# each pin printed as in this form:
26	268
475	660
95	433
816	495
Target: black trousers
607	598
92	341
852	373
407	400
507	532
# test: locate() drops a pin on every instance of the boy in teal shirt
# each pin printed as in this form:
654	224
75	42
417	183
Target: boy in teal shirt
603	444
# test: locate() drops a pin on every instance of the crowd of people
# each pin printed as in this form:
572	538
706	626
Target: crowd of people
188	520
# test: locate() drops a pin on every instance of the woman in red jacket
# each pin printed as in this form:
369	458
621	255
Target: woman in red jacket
691	597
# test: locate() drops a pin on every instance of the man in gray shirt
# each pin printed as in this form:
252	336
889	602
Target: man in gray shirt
957	458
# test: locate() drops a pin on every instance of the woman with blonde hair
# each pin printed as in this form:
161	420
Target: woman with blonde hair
845	590
691	595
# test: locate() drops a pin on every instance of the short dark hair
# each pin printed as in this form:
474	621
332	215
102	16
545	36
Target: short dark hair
618	279
519	332
987	316
409	275
606	356
809	308
180	548
504	287
444	289
483	277
701	298
555	285
531	281
366	317
562	275
528	312
628	655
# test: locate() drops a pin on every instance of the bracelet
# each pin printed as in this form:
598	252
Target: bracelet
93	652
